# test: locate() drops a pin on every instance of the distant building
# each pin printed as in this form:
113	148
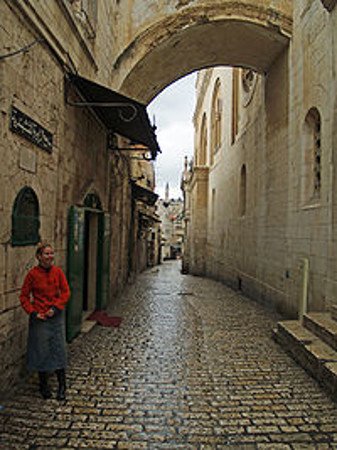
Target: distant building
144	244
170	212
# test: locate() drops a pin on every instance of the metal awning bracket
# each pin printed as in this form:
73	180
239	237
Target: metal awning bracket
115	111
86	104
108	105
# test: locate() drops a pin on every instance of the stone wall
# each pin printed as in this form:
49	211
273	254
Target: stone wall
262	250
198	225
313	85
25	165
79	163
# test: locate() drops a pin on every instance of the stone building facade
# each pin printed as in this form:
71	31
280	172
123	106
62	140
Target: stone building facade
144	246
261	192
62	180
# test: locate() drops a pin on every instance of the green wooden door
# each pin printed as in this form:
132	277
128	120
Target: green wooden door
75	271
103	261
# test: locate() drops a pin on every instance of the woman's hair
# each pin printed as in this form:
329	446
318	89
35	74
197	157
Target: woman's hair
41	246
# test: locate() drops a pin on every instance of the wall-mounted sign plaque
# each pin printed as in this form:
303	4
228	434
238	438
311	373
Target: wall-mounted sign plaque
25	126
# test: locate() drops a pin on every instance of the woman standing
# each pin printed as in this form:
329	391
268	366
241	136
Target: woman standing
44	294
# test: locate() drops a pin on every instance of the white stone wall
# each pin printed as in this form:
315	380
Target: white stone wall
313	84
262	251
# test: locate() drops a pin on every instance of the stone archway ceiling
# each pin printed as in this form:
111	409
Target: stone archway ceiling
242	33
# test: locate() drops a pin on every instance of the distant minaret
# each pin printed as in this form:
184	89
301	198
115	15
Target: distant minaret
185	173
167	193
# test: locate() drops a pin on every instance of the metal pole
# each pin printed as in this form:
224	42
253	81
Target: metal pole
303	306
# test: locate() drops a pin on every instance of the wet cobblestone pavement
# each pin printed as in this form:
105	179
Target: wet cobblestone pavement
192	366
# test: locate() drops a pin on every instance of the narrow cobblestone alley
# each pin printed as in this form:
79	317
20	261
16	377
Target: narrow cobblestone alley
192	366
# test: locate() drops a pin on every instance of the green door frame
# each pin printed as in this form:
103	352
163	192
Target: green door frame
75	271
76	261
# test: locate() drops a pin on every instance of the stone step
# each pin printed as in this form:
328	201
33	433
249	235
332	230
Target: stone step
323	326
334	312
314	355
293	331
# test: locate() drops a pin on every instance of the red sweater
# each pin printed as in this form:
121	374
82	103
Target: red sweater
43	289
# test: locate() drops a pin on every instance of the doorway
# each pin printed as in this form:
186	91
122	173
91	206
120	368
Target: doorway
88	262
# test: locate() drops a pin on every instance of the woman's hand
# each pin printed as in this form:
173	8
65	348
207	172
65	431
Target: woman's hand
40	316
50	312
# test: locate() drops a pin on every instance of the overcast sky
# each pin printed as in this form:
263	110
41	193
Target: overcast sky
173	109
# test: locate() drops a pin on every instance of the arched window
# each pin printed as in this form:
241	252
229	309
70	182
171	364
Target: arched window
216	113
25	218
311	157
243	191
235	103
202	160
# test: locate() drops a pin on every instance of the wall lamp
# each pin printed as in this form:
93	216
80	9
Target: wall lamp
133	147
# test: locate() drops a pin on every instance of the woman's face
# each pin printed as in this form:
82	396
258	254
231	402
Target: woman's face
46	257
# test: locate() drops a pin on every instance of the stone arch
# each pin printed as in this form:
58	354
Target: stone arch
168	46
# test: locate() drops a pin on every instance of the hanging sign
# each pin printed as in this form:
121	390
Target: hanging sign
22	124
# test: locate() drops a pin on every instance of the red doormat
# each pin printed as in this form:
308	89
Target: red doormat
102	318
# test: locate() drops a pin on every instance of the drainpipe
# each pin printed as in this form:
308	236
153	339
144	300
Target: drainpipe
303	305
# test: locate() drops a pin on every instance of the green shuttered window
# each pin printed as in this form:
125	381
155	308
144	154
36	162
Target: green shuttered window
25	218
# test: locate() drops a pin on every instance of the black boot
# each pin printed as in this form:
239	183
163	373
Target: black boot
61	378
44	388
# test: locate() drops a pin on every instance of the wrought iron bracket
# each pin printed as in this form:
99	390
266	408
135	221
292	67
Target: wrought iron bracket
119	105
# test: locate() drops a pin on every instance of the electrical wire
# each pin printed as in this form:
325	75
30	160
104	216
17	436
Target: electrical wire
21	50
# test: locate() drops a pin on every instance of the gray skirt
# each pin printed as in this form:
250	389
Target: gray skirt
46	347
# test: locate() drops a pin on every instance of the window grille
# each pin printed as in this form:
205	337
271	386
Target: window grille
243	191
317	157
312	156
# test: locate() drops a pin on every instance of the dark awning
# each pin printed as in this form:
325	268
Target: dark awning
120	114
143	194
